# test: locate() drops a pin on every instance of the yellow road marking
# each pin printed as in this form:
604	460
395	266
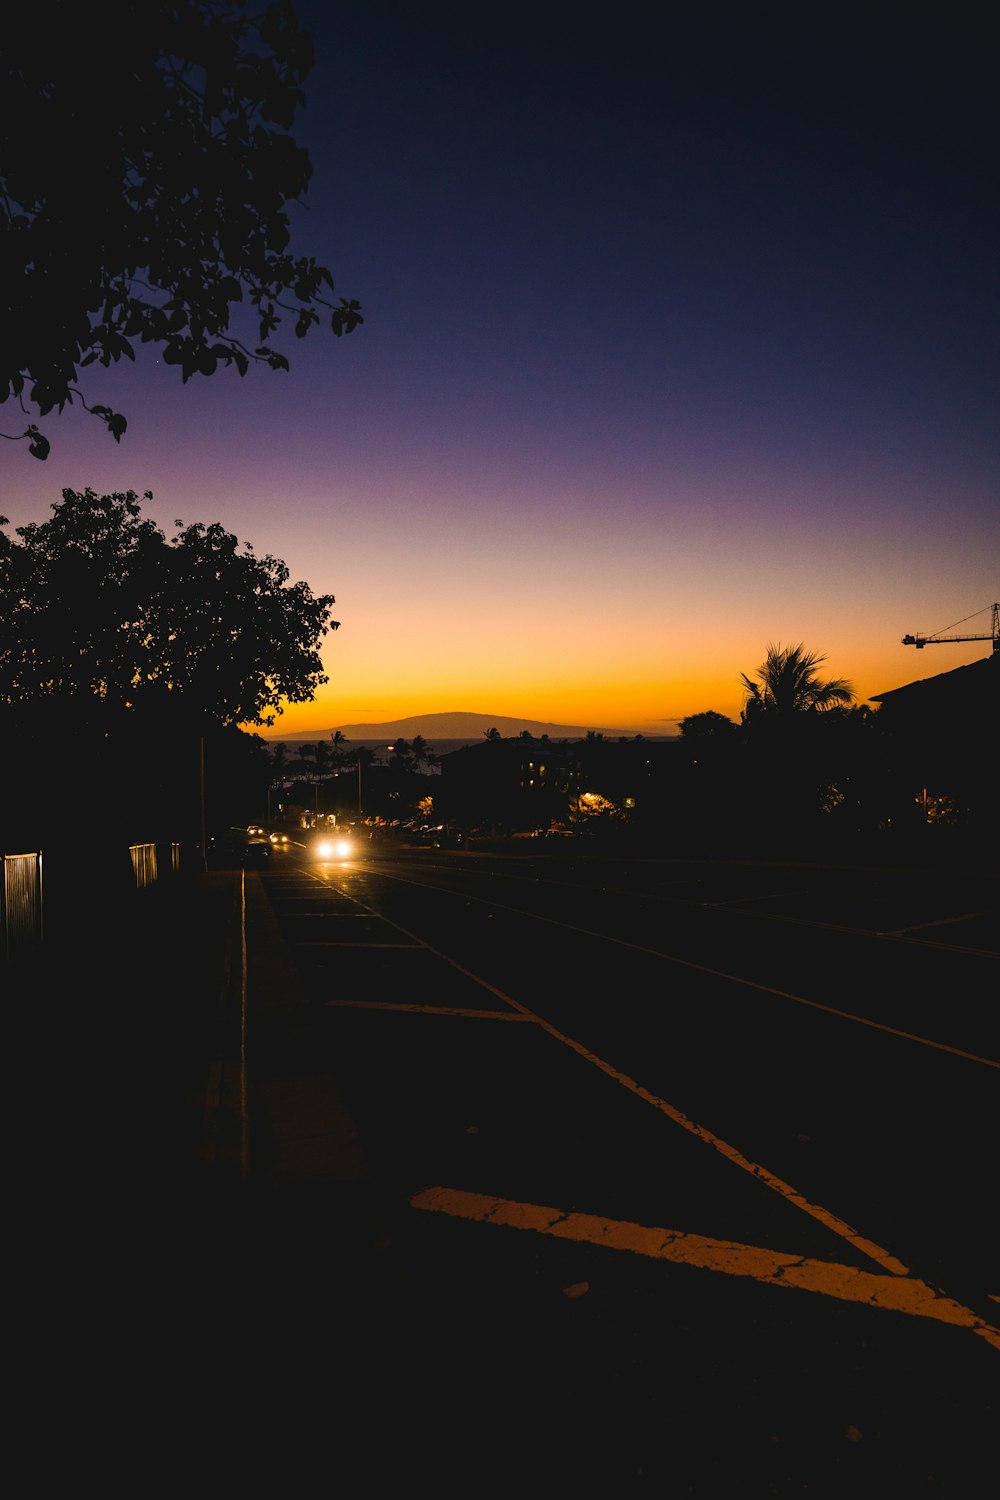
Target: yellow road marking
774	1268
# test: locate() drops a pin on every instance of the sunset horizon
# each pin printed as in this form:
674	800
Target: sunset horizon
677	343
885	671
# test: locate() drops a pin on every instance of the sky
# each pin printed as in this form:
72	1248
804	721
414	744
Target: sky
680	339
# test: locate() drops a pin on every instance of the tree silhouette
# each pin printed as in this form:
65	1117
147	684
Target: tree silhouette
143	649
338	755
324	759
279	764
104	615
787	685
279	761
144	205
789	718
421	752
703	725
305	771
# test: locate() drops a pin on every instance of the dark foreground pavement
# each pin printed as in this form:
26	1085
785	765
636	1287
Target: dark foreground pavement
197	1244
213	1287
213	1290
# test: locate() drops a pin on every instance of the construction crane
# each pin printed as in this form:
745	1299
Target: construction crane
938	639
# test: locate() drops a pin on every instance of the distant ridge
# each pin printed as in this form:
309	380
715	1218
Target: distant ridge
458	726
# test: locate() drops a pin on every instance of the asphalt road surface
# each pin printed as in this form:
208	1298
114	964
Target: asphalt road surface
688	1177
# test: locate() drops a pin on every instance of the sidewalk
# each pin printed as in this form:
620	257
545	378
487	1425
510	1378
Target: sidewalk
203	1267
167	1088
255	1137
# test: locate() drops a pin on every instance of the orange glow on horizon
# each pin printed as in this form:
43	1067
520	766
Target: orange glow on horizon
654	706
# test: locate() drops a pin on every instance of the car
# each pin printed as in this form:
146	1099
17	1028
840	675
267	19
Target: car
332	846
235	847
255	851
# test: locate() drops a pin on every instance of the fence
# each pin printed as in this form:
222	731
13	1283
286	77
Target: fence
144	864
21	903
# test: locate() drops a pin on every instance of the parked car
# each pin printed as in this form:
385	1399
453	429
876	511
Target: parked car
235	848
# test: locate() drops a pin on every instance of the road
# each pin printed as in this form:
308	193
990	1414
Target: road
694	1163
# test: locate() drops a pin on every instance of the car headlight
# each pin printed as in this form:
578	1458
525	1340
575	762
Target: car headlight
334	849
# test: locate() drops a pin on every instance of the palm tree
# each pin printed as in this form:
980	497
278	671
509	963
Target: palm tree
787	685
421	752
338	753
787	716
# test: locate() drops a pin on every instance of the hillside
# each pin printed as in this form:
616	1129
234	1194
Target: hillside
453	726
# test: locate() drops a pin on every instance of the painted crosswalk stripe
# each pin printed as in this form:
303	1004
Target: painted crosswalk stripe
905	1294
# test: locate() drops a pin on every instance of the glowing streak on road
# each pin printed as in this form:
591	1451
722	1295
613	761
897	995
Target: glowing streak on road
773	1268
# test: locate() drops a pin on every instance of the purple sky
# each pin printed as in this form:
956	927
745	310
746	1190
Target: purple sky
680	338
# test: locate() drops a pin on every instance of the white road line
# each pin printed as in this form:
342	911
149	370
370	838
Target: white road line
742	900
899	936
769	1179
689	963
762	1175
466	1011
333	944
969	916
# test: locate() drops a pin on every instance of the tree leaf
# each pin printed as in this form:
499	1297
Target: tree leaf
38	445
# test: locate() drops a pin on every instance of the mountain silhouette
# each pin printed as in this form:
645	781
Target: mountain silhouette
455	726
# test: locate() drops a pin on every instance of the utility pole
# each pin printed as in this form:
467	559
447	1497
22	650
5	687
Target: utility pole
202	826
